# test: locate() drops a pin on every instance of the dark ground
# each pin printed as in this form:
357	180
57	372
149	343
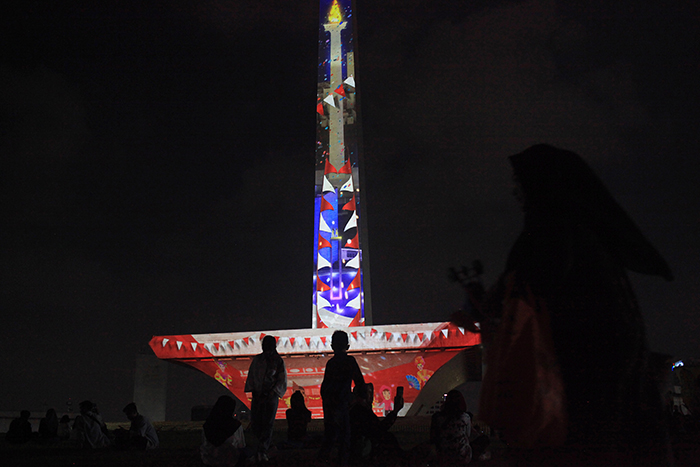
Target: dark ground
180	443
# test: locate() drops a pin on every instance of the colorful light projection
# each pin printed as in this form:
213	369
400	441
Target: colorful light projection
389	356
339	282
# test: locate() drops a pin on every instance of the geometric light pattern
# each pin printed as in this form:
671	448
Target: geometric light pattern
338	281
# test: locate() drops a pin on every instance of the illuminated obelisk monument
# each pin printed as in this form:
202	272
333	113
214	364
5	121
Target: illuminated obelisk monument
427	359
341	281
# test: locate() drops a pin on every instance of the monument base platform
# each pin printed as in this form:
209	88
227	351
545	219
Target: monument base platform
389	356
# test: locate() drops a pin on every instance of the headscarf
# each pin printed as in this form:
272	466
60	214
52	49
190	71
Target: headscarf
558	184
220	424
454	405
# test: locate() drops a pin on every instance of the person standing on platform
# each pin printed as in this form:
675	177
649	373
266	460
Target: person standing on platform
267	380
336	392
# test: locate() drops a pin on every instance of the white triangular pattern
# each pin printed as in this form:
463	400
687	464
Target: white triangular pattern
179	345
333	320
350	81
327	185
330	101
355	302
322	302
352	222
194	345
348	186
444	332
461	329
323	262
323	227
165	341
353	263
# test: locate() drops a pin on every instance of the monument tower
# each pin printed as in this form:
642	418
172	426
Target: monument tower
341	272
415	356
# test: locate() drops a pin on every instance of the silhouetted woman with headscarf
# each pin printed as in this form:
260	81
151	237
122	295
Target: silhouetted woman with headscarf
450	429
566	354
223	440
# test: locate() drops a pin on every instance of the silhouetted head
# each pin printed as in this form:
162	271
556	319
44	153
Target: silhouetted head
559	188
224	408
339	341
269	343
454	403
24	414
51	413
131	411
296	402
86	406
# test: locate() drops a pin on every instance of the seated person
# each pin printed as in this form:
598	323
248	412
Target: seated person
223	441
48	426
450	429
20	430
64	430
89	429
369	434
298	418
141	434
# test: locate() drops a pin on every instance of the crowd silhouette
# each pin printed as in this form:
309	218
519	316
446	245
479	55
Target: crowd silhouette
569	375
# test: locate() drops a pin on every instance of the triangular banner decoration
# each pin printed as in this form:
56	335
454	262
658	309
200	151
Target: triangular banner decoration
246	340
319	107
350	205
353	243
329	169
350	81
330	101
327	185
179	345
352	223
165	341
353	263
347	186
340	90
323	243
445	332
194	346
325	205
323	226
356	282
291	341
355	302
346	168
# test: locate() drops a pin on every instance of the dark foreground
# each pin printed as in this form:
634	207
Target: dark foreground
180	448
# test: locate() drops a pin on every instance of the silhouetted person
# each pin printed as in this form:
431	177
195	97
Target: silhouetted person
336	393
370	436
298	418
89	429
566	353
48	426
141	434
450	429
223	440
20	430
64	429
267	380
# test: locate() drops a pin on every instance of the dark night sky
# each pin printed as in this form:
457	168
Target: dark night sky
157	166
